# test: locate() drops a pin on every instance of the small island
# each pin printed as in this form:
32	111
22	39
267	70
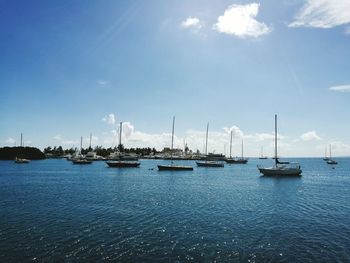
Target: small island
31	153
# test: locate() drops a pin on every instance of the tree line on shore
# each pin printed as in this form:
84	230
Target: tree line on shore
99	150
32	153
10	153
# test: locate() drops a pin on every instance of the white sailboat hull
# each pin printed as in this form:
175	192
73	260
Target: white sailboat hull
280	168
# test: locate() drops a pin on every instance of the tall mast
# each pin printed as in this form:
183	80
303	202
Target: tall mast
206	140
120	134
276	139
21	139
231	145
90	140
330	151
172	140
120	138
242	148
81	143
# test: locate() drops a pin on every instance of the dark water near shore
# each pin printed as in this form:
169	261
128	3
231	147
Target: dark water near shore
52	210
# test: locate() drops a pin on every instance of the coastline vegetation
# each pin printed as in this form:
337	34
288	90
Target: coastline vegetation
99	150
31	153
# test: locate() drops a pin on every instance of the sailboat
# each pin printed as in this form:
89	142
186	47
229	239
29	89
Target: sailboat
330	161
119	163
173	167
80	159
325	155
21	160
236	160
280	168
92	155
262	156
208	163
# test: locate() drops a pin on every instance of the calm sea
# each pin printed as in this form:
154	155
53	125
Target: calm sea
52	210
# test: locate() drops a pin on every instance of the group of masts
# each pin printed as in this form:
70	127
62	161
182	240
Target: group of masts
329	159
211	160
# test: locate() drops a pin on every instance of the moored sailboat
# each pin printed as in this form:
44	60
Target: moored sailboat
262	156
92	155
236	160
80	159
208	163
119	163
280	168
325	154
173	167
330	160
18	159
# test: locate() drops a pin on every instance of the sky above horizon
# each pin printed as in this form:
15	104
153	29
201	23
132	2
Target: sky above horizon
71	68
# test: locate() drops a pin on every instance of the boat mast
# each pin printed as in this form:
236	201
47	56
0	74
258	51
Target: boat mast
90	141
81	144
276	139
231	145
242	149
172	140
330	152
120	137
206	140
21	139
120	134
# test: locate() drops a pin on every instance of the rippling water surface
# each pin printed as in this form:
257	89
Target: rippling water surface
52	210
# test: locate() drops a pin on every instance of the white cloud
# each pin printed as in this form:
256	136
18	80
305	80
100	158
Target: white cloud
310	136
114	132
112	137
102	82
219	141
110	118
58	137
340	147
259	137
236	131
10	140
342	88
128	129
192	22
263	136
62	141
239	20
323	14
94	141
27	143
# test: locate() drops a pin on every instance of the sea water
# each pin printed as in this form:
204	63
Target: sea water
52	210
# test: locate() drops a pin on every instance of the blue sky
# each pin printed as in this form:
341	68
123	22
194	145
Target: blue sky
65	65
